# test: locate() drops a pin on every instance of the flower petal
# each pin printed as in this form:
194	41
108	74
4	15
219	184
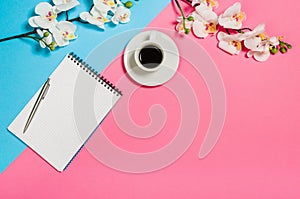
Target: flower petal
202	7
252	43
228	23
226	37
262	56
259	29
232	17
43	8
84	15
40	32
42	44
100	6
89	18
65	7
44	23
44	40
66	26
179	26
210	16
48	39
199	29
122	15
256	31
250	53
227	47
58	37
221	36
235	8
274	41
115	19
197	16
97	13
31	22
179	19
58	2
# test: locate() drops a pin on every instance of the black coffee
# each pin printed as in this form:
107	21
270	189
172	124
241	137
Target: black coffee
150	56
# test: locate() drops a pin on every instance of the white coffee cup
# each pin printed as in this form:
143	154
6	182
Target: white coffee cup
151	53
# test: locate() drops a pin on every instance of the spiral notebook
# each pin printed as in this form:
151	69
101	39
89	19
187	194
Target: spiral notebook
76	102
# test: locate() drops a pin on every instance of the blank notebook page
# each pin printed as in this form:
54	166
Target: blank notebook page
76	102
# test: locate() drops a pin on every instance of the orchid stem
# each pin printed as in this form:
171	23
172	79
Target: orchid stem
182	13
241	30
27	34
227	30
77	19
189	1
67	16
34	38
18	36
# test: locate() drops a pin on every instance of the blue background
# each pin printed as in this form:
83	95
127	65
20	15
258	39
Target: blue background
25	66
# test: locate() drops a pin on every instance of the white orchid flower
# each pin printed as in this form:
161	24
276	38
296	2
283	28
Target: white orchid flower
46	38
47	16
261	52
259	44
254	37
179	26
258	30
231	44
122	15
94	17
205	22
232	17
64	5
208	3
63	32
106	5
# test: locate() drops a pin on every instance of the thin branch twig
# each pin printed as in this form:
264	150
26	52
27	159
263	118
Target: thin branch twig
18	36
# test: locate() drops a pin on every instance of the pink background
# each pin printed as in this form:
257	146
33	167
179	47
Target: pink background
257	155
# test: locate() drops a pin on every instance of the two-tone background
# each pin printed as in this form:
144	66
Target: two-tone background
257	155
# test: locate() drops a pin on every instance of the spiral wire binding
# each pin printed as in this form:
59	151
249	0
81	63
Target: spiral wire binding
100	78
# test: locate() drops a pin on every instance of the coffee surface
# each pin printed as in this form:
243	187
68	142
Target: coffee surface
150	56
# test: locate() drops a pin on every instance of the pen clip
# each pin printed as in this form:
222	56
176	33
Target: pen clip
46	90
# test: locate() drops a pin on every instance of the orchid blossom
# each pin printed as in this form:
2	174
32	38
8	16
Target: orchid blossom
122	15
63	32
232	17
47	16
107	5
205	22
259	44
231	44
94	17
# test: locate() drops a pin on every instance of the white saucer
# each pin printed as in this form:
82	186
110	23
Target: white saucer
169	65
